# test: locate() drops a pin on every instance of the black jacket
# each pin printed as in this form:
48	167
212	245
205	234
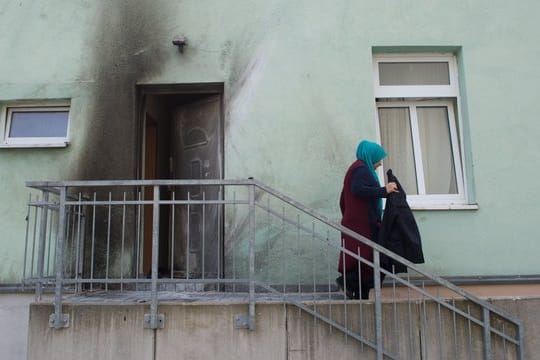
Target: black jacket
399	232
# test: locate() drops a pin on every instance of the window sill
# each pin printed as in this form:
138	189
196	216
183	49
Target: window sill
34	145
421	207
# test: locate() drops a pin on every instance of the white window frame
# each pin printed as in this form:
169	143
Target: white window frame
422	197
30	142
416	91
406	96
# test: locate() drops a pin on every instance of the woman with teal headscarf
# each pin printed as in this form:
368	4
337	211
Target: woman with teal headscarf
361	208
371	155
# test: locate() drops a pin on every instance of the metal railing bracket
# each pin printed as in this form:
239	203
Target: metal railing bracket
159	322
241	321
56	323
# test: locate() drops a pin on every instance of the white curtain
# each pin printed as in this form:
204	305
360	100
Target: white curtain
438	161
395	126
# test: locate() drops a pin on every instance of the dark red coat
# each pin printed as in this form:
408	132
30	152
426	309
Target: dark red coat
359	213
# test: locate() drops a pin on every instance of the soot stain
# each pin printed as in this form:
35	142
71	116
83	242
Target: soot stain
127	50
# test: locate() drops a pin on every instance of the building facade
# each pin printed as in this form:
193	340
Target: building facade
283	91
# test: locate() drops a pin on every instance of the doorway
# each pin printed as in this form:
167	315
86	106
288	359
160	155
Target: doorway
182	138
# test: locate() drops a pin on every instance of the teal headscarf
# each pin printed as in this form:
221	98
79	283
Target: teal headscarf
370	153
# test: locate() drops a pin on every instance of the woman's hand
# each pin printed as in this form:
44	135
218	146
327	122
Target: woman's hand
391	187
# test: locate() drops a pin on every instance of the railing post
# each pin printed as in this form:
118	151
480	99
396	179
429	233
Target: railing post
378	305
487	334
79	252
251	319
521	342
41	244
153	320
59	320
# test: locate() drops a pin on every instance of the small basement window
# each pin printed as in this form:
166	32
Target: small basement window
35	126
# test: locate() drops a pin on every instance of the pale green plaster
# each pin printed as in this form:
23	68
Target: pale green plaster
298	97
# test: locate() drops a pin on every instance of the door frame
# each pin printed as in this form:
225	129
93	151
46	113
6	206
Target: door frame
142	91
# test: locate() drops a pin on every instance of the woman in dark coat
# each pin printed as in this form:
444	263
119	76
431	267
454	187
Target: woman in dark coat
361	209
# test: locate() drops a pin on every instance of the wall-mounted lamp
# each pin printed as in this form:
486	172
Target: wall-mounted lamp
180	41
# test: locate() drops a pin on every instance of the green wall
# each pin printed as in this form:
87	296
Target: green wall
298	97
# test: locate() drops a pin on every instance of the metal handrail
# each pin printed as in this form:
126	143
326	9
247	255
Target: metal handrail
68	219
380	249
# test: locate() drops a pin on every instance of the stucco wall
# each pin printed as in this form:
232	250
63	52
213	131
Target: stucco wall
298	97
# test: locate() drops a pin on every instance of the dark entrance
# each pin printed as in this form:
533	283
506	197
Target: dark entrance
182	127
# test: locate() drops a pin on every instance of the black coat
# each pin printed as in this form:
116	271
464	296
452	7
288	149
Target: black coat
399	232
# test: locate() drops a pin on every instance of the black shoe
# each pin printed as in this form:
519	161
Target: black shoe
349	293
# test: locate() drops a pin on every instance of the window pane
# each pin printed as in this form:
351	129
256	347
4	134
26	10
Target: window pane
38	124
414	73
438	161
396	138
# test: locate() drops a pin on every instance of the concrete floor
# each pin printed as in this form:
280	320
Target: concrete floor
389	293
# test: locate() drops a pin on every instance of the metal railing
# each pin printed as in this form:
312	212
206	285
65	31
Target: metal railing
221	236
